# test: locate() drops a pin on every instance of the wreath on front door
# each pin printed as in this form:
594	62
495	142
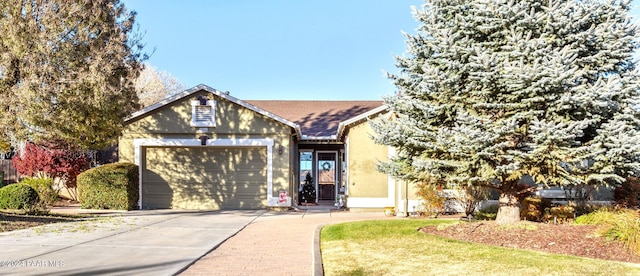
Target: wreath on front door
326	166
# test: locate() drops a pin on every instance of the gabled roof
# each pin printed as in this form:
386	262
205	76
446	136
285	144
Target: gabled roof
311	120
218	93
364	116
319	120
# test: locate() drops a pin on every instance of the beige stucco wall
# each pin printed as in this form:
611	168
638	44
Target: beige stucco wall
363	154
232	122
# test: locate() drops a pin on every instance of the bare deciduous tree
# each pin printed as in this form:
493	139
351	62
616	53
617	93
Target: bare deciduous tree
152	85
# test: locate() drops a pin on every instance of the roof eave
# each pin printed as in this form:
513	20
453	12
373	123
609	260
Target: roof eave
312	138
202	87
167	101
344	124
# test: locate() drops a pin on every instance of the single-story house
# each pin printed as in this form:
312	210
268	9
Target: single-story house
204	149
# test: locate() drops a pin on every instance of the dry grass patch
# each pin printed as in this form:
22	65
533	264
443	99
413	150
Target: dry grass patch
395	247
11	221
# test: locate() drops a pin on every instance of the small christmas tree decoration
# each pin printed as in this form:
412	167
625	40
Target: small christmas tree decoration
308	193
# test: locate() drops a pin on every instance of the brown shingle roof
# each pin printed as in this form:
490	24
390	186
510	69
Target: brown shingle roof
316	118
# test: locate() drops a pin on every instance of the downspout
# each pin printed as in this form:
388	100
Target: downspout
406	198
295	168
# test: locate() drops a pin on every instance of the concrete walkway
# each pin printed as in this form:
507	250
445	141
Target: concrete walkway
168	242
276	244
131	243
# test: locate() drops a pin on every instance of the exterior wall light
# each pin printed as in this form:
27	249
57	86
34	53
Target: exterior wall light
203	140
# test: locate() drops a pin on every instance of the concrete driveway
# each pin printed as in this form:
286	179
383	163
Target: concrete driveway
159	242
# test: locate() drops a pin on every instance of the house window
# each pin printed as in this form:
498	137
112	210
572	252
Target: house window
203	113
306	163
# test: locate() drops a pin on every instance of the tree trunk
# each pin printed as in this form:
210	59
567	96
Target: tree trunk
509	211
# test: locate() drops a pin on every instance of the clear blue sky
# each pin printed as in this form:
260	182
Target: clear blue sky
279	49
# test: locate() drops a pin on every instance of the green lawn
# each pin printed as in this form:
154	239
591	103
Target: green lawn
395	247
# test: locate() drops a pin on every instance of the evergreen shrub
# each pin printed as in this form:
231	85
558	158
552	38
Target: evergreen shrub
44	188
562	213
18	196
110	186
533	208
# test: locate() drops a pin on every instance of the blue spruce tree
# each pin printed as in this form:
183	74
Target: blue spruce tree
490	91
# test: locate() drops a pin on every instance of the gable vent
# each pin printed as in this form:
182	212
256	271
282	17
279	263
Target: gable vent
203	113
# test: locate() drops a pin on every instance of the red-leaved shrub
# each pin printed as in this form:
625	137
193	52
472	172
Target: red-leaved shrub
62	163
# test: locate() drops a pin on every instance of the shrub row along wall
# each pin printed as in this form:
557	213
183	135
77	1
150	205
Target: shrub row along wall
28	194
18	196
110	186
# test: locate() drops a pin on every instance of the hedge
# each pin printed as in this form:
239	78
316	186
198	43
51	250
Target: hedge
110	186
44	187
18	196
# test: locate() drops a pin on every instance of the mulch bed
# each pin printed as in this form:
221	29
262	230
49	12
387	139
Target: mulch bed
570	239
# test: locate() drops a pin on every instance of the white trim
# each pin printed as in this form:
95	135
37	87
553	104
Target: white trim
413	205
342	125
140	143
392	184
342	156
319	138
369	202
346	161
400	200
365	115
194	114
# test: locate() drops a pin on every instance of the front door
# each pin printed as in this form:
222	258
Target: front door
327	175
